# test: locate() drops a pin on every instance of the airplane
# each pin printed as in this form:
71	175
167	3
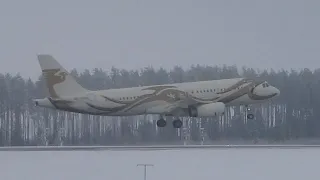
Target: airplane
187	99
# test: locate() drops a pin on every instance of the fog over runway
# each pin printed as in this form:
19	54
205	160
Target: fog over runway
215	163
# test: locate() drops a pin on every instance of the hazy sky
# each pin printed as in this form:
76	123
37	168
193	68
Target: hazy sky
133	34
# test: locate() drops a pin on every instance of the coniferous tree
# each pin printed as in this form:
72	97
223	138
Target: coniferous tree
294	114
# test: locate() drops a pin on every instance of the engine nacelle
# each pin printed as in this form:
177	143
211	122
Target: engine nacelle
207	110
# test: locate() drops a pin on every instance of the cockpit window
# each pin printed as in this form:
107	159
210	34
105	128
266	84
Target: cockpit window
264	85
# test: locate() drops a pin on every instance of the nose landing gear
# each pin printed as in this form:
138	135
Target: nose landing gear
161	122
250	115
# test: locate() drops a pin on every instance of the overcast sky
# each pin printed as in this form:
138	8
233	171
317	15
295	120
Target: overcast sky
132	34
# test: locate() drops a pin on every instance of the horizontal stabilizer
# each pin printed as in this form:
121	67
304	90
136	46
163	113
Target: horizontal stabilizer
61	100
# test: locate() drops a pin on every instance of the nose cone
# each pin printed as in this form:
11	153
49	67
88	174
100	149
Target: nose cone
276	91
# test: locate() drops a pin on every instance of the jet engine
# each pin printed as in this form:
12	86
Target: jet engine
207	110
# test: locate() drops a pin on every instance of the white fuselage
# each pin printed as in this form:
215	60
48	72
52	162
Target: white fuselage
158	98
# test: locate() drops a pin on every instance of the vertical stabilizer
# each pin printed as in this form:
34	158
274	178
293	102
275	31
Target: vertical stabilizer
59	82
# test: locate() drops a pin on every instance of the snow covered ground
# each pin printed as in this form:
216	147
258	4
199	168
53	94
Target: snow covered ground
219	164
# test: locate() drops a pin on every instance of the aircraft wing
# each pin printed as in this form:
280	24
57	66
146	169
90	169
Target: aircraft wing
180	106
169	108
176	105
184	100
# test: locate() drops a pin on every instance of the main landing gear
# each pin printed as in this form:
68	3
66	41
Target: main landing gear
249	113
161	122
250	116
177	123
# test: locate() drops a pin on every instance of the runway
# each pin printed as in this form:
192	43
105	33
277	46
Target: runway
150	148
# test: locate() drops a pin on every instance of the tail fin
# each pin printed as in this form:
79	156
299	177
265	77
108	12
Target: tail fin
59	82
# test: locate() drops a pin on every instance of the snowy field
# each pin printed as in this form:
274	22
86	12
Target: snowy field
219	164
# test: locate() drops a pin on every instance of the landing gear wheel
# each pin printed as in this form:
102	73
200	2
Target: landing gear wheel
161	123
250	116
177	123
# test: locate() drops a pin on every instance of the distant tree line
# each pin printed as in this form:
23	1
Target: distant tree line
295	114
